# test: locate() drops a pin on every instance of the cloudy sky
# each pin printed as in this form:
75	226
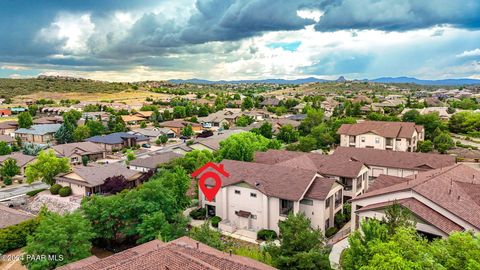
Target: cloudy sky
131	40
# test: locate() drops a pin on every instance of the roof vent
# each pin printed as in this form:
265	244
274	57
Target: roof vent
198	245
257	184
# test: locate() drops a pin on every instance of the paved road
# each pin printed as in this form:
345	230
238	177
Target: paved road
463	141
7	193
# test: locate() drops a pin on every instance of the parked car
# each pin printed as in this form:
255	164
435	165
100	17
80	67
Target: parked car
205	134
146	145
184	137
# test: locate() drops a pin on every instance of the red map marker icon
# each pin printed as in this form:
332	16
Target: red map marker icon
211	192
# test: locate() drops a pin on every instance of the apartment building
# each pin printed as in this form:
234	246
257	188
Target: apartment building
395	136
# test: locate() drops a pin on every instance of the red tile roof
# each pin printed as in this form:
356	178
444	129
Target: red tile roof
183	253
454	188
381	128
395	159
421	211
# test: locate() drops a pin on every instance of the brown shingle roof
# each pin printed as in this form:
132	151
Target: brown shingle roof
183	253
395	159
152	162
324	164
381	128
95	174
422	211
271	180
320	188
79	148
21	158
9	216
178	124
453	188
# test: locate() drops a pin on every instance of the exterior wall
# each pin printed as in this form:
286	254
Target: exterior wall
375	171
77	190
371	140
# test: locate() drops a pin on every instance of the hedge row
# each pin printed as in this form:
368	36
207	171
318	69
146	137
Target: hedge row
15	236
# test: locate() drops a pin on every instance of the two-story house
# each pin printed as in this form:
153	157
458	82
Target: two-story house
352	174
41	134
257	196
76	151
441	201
396	136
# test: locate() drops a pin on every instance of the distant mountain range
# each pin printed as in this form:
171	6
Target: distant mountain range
445	82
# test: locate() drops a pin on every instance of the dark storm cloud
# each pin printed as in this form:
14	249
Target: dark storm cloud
397	15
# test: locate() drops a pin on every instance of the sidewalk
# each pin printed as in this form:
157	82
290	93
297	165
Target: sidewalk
8	193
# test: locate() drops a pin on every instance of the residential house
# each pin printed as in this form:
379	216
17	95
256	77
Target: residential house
144	114
7	138
396	136
257	196
76	151
220	118
442	201
297	117
132	120
181	253
258	114
48	120
352	174
17	110
212	143
10	216
270	102
178	125
442	111
277	123
394	163
54	110
153	133
117	141
87	180
150	163
5	112
22	160
8	127
40	134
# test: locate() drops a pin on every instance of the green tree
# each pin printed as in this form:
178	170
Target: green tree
300	247
411	116
314	118
443	142
5	149
167	115
430	121
32	109
203	111
81	133
65	133
207	236
243	145
306	144
25	120
9	168
130	155
95	127
46	167
163	139
457	252
397	216
244	121
179	112
425	146
247	103
288	134
192	160
72	117
156	226
187	131
67	237
266	130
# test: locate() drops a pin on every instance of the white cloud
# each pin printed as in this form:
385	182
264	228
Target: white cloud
475	52
12	67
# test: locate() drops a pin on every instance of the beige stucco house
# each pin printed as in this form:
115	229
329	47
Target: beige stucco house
396	136
441	201
257	196
76	151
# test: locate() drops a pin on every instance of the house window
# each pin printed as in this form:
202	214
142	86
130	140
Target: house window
286	207
237	191
306	202
377	140
254	195
363	139
253	216
327	202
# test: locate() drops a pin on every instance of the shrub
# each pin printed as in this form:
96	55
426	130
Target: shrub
199	213
55	188
65	191
331	232
15	236
215	220
35	192
7	181
264	234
